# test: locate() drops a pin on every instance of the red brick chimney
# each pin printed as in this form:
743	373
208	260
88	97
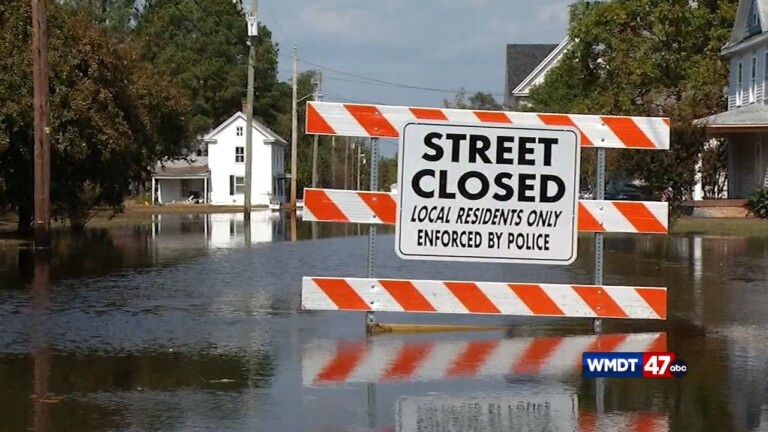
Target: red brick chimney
244	106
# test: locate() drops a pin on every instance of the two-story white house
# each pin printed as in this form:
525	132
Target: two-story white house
745	124
216	174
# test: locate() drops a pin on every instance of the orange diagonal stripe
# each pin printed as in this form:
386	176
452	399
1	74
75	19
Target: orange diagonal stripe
342	294
382	205
659	344
640	217
322	206
428	114
587	421
345	361
599	301
564	120
472	298
407	296
628	132
371	119
656	299
316	124
645	422
587	222
536	355
472	358
409	358
606	343
536	299
492	117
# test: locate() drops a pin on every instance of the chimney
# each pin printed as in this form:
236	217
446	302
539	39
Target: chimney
244	106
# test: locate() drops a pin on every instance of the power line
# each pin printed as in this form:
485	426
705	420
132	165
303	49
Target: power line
388	83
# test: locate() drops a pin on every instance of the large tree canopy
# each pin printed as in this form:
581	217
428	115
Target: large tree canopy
202	46
646	58
111	116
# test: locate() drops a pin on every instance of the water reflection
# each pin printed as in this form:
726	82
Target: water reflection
174	324
427	358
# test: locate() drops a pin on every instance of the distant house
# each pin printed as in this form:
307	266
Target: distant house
745	124
527	65
215	174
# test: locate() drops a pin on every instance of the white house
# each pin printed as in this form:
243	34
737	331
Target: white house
216	173
745	124
527	66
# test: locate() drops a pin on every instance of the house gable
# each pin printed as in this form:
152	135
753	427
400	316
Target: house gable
538	74
269	137
522	61
751	19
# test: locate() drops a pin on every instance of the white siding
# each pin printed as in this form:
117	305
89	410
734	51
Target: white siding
221	161
732	88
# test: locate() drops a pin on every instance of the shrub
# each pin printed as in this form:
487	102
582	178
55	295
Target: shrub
758	202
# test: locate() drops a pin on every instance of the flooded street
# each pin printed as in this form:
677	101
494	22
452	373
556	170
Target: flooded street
193	323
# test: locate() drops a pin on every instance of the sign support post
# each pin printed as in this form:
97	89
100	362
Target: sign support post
370	319
599	244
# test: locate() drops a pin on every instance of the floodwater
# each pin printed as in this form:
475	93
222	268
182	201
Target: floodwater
193	323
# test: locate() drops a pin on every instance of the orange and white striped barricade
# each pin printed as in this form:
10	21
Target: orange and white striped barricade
386	121
344	206
535	299
387	360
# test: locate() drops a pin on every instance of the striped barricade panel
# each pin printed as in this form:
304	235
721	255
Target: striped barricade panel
330	205
590	421
386	360
385	121
491	298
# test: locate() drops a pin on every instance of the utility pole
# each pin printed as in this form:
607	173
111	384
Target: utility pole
359	157
253	32
294	130
346	163
318	81
42	152
333	162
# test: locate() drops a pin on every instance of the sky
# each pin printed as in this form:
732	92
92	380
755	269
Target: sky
442	45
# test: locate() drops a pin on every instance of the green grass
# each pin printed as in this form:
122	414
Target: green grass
738	227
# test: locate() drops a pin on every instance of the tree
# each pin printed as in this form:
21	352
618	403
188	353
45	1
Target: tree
478	101
646	58
115	16
202	47
111	116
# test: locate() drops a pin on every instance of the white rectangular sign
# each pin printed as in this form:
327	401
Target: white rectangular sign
488	193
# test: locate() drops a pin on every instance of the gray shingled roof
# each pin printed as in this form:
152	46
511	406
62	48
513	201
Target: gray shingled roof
750	115
522	59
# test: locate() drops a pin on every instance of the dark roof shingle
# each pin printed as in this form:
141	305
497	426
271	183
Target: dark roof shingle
522	59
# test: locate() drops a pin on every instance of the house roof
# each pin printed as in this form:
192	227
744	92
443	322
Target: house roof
543	67
754	115
740	33
268	134
522	60
180	171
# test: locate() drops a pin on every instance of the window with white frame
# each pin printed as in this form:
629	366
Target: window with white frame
239	154
739	84
239	131
239	185
753	81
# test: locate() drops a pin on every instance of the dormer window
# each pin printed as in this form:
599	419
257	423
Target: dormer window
239	131
754	19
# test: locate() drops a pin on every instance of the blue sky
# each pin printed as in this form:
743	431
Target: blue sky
438	44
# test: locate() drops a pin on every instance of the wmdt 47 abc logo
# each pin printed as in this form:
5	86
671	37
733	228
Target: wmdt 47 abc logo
632	365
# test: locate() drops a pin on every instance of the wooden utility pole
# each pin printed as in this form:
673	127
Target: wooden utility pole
294	130
318	84
253	32
42	152
346	163
333	162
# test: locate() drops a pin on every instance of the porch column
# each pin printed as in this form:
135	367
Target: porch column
205	190
153	190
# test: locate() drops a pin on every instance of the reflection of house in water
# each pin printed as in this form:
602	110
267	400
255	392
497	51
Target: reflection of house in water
226	230
748	378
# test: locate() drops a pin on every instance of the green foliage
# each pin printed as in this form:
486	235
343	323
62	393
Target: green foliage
477	101
111	115
714	172
758	202
646	58
202	47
